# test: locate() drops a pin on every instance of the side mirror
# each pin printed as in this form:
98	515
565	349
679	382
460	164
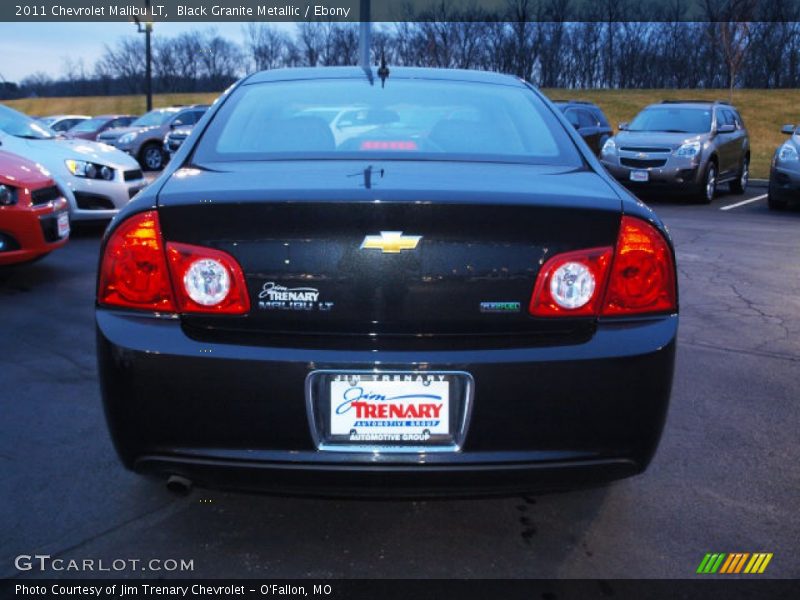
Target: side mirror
727	128
787	129
622	126
576	125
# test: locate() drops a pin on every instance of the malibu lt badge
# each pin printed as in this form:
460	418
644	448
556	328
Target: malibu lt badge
278	297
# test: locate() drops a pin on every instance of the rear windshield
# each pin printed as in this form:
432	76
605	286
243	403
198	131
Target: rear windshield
671	119
405	119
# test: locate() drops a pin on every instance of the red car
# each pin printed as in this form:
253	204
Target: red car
34	219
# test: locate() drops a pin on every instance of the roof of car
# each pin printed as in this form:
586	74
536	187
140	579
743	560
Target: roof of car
585	103
694	103
303	73
115	116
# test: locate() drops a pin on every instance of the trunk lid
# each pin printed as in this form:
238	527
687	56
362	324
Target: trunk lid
480	234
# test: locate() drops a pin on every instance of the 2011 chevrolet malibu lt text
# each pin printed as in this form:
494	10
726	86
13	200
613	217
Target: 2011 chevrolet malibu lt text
386	282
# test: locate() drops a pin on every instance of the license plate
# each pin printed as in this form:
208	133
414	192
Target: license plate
63	225
640	176
385	410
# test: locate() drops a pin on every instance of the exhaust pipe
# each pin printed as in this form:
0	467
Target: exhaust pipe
179	485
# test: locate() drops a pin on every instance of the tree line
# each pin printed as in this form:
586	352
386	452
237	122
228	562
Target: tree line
608	45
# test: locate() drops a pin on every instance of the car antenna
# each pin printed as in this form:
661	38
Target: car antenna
383	71
368	73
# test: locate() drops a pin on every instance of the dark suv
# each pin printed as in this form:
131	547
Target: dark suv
589	120
688	145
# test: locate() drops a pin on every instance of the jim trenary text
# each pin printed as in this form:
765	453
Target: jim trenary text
142	590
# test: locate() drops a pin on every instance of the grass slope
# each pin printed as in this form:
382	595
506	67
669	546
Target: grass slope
764	111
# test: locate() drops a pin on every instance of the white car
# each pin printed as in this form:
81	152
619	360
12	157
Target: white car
97	180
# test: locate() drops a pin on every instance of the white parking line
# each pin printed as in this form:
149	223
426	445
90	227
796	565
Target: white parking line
743	202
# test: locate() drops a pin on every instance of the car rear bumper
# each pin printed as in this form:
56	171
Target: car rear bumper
235	416
351	480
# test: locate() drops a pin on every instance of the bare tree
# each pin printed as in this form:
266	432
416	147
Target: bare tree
220	60
268	48
124	63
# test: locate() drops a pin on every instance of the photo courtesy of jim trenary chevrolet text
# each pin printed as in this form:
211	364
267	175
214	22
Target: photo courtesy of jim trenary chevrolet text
348	299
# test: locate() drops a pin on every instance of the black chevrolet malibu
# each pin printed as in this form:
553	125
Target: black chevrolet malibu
361	283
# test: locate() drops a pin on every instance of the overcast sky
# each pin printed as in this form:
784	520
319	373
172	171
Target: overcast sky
29	47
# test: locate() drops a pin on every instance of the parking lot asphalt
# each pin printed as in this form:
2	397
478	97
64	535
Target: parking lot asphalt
726	477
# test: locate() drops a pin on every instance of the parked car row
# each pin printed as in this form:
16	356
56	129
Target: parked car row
144	138
688	147
65	168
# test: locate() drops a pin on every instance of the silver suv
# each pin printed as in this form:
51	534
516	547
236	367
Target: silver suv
144	138
690	146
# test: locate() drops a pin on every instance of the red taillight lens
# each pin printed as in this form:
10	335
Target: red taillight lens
571	284
138	272
642	278
207	280
635	277
134	272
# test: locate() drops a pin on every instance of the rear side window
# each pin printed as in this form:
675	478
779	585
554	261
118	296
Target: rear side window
734	117
601	118
586	119
405	119
572	117
186	118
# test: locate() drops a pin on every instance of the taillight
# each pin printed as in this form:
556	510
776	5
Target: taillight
207	280
134	271
137	271
635	277
642	278
570	284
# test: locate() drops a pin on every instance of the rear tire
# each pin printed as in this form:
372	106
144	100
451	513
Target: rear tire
739	185
152	157
708	187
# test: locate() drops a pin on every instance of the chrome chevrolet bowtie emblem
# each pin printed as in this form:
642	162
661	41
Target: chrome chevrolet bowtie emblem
390	242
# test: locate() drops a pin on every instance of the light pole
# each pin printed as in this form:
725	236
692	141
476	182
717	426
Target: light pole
147	30
364	38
